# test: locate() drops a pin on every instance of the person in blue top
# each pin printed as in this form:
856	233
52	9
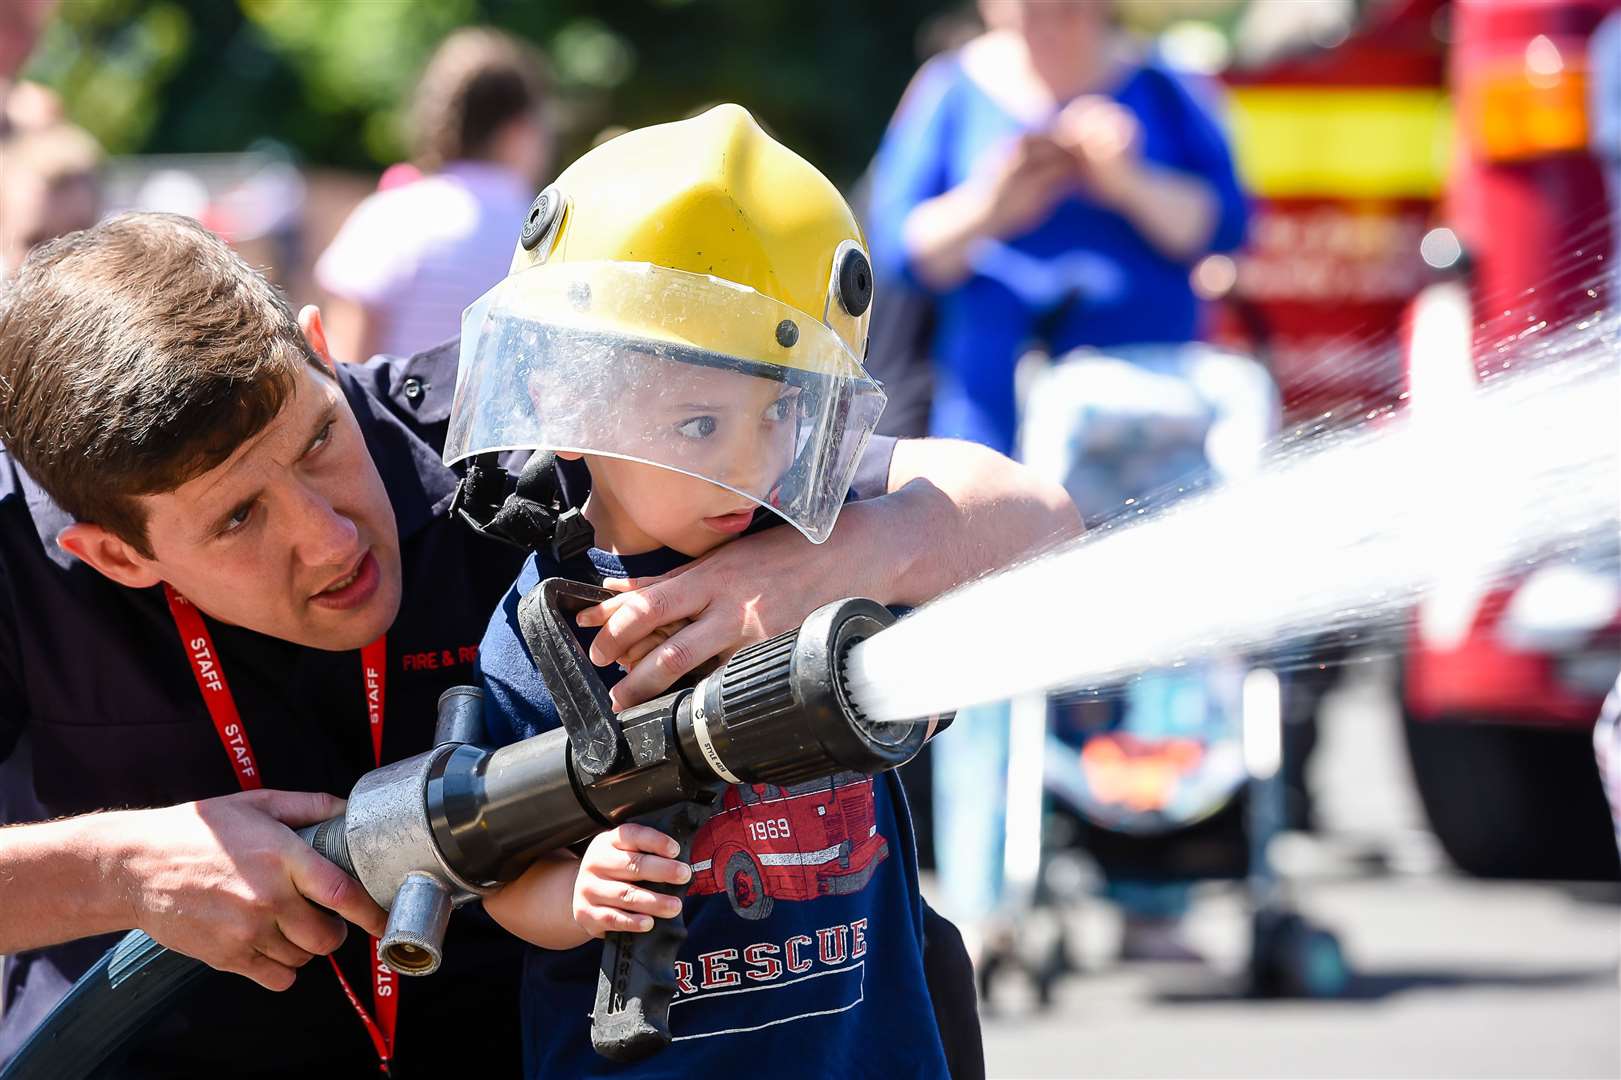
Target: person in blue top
1046	187
686	338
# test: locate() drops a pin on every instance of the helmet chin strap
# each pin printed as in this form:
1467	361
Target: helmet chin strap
532	514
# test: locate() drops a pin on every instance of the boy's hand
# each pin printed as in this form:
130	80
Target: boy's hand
606	898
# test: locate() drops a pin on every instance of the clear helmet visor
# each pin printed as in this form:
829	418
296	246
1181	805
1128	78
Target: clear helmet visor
678	370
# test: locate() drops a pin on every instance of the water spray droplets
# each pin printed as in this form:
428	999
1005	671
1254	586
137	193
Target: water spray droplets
1346	532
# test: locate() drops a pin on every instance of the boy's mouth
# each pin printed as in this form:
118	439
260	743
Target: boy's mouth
730	524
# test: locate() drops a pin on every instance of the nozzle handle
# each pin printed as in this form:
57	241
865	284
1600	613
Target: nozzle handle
631	1020
546	619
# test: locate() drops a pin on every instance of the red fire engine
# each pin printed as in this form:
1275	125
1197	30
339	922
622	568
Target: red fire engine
1470	115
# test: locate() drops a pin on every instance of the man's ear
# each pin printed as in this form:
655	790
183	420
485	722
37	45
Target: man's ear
109	553
569	455
309	321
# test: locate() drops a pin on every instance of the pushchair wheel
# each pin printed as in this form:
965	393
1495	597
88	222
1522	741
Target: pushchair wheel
985	974
1050	965
1291	958
1038	950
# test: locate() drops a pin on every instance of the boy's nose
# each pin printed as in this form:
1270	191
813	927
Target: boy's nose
749	474
757	463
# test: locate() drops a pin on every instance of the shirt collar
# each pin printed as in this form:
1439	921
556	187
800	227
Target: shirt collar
418	483
48	518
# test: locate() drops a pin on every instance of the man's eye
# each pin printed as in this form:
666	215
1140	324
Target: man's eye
782	408
324	436
699	427
237	520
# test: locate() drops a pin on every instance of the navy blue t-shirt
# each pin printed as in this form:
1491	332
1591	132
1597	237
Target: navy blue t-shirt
804	955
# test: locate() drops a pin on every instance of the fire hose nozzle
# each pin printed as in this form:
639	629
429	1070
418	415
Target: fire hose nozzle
414	942
428	833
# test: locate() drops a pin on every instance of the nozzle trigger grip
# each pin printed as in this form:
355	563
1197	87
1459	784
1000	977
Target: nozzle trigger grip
631	1020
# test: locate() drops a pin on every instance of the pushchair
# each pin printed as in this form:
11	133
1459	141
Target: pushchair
1175	776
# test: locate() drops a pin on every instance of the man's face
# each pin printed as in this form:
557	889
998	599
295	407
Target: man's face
293	535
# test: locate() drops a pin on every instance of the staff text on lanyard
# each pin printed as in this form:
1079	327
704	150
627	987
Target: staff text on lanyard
204	658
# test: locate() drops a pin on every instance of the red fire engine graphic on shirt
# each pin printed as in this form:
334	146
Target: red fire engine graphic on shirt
767	843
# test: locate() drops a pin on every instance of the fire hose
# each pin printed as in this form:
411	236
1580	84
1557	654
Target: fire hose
432	832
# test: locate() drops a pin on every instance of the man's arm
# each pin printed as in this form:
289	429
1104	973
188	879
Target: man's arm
954	511
977	510
54	880
224	880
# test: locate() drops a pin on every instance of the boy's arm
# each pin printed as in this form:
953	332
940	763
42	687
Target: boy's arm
561	901
953	511
537	906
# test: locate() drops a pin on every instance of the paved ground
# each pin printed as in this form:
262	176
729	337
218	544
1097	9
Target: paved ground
1456	978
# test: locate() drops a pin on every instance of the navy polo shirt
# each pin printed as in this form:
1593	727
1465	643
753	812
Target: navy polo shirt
99	709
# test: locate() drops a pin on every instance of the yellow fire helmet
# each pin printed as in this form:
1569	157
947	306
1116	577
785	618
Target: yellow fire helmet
695	296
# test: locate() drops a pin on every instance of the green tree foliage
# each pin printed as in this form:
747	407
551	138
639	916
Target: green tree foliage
329	78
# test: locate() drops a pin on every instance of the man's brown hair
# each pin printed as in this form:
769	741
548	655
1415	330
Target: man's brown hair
476	83
135	356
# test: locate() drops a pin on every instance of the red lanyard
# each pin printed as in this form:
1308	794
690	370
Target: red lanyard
205	667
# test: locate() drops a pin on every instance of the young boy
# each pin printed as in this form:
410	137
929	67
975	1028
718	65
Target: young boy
682	324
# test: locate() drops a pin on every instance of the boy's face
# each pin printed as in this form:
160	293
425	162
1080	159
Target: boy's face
738	430
292	536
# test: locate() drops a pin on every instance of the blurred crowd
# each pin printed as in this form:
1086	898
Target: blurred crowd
48	167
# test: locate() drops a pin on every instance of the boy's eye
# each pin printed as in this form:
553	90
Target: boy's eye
699	427
782	408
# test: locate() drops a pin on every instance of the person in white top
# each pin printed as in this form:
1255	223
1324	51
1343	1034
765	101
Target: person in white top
410	258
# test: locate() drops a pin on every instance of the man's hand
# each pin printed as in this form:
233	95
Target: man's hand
637	652
742	592
226	881
953	512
